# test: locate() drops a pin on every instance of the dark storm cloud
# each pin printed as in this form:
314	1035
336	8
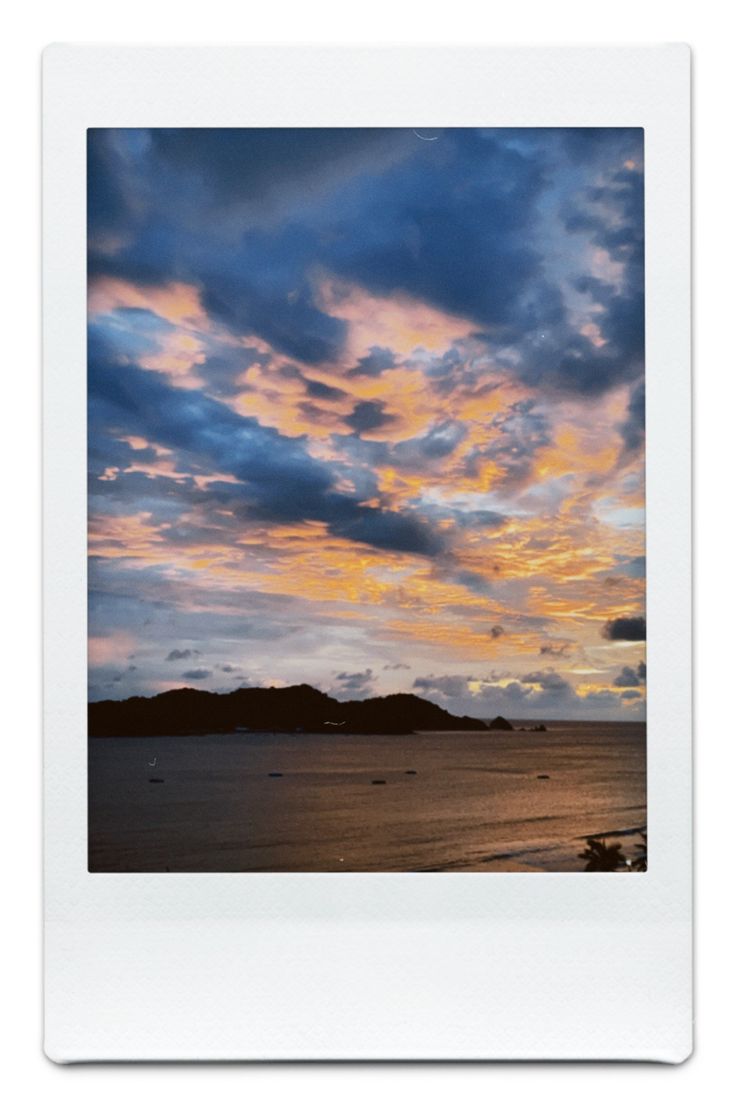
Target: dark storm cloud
277	477
369	415
138	402
453	223
375	363
314	388
462	205
288	320
391	531
111	205
632	428
587	145
625	628
236	165
318	390
161	194
611	216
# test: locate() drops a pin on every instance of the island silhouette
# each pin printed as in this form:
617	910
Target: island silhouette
284	709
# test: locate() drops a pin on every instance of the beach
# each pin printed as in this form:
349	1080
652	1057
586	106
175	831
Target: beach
449	801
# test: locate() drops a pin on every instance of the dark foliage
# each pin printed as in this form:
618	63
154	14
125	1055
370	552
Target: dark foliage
601	856
640	862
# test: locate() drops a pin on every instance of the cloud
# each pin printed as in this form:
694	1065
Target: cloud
516	435
181	653
196	674
391	531
369	415
377	361
631	677
318	390
537	694
439	442
184	199
549	680
459	224
276	476
448	686
475	583
243	165
353	684
625	628
222	371
412	454
632	428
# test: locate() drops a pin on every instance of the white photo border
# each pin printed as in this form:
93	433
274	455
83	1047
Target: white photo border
369	966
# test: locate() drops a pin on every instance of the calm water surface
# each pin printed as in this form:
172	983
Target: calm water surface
475	802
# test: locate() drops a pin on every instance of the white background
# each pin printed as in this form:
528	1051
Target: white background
524	23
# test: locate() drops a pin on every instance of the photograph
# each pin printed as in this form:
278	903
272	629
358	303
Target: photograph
366	500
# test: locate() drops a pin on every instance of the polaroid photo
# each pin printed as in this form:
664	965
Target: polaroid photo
367	638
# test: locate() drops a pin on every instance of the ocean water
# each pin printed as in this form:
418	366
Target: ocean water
276	802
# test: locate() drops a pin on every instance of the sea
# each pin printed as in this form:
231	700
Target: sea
431	801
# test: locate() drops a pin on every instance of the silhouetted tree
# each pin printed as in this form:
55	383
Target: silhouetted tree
640	862
601	856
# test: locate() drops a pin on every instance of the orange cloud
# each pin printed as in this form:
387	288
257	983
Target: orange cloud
177	303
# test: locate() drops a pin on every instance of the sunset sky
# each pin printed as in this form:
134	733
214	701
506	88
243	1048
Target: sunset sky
366	411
